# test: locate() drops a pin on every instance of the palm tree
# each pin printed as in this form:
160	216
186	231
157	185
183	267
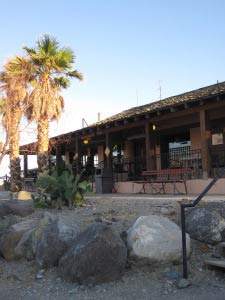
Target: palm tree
53	69
14	82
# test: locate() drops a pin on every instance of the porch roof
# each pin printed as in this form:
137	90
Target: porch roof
157	108
188	97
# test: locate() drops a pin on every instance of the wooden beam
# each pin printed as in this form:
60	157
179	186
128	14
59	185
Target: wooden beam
205	139
25	165
192	110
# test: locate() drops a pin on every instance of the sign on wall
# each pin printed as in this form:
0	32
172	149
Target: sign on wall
217	139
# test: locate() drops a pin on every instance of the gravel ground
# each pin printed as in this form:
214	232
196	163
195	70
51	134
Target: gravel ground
19	280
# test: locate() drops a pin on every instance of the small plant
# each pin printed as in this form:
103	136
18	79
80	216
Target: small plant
63	189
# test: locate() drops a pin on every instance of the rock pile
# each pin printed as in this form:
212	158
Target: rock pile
95	255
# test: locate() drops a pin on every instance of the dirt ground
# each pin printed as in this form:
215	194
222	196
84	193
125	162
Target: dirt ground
23	280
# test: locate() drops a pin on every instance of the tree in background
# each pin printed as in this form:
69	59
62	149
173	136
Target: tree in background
53	71
14	101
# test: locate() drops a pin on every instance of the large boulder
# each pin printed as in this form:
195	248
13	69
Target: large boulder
21	239
11	238
17	208
6	222
207	223
44	222
56	239
98	255
155	239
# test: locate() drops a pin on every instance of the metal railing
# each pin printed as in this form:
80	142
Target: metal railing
127	169
183	225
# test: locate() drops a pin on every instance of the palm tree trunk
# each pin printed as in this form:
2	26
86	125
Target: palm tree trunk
15	170
43	143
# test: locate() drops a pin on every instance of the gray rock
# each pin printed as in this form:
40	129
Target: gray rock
98	255
183	283
56	239
11	238
24	247
219	250
18	208
7	221
40	274
27	245
47	219
207	223
155	239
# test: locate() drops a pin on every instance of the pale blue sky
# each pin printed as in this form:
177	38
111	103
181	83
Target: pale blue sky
123	48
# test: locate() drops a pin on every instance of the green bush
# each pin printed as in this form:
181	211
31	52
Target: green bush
63	189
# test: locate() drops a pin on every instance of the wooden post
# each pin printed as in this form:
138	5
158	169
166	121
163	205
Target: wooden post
205	139
149	143
147	146
25	165
77	155
58	158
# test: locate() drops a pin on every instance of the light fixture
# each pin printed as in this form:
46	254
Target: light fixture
153	127
85	142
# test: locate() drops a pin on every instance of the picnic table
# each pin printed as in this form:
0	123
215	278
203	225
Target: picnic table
163	177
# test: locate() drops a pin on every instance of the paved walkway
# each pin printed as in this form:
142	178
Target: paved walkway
5	195
166	197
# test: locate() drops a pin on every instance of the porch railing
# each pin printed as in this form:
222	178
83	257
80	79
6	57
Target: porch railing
130	169
217	161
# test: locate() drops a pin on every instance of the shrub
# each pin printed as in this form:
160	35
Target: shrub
63	189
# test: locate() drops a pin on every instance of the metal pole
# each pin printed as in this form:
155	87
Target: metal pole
184	249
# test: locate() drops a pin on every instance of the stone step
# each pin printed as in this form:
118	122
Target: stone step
220	263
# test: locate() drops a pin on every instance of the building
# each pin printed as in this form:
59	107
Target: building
186	130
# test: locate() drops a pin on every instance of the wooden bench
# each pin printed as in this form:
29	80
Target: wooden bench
164	177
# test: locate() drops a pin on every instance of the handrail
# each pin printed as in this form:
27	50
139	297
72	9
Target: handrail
183	226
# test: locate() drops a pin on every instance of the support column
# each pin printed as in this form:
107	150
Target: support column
205	139
147	145
150	147
108	160
25	165
67	157
58	159
77	155
100	154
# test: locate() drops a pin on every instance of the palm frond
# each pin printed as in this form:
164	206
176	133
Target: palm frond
62	82
75	74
